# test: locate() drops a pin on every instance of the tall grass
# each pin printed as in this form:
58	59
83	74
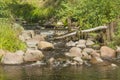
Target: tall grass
8	37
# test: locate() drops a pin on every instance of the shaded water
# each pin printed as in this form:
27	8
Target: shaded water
47	73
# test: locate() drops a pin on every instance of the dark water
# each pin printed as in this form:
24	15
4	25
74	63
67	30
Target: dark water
47	73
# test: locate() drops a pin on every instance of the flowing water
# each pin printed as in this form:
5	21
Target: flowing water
47	73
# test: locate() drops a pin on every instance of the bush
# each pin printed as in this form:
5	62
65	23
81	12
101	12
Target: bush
89	14
8	37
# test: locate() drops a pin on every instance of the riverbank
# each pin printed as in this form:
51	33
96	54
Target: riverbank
60	53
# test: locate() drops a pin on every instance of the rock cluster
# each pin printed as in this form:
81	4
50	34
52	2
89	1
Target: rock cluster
84	50
78	53
35	43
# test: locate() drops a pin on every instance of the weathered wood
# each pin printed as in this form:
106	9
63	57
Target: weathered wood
69	24
111	30
83	31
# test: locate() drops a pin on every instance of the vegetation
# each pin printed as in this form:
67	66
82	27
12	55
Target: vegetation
8	38
89	13
86	14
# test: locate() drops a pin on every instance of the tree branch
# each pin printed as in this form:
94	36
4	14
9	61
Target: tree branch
83	31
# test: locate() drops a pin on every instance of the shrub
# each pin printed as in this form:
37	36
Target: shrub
89	13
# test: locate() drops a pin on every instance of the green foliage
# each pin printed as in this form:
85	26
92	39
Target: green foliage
4	12
8	37
116	40
89	13
30	11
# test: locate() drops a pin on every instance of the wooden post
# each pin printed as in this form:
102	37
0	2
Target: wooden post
111	30
69	24
108	33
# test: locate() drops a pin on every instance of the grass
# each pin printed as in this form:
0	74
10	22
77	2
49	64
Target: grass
9	39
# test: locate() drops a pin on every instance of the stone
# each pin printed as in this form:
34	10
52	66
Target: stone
74	52
44	45
2	52
86	56
114	65
74	63
38	63
33	55
71	44
32	44
12	58
96	60
60	23
26	35
78	59
107	52
95	54
81	44
51	60
82	41
39	38
88	50
20	52
89	43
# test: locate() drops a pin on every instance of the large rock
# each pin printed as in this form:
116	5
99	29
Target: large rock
45	45
2	52
26	34
107	52
33	55
39	38
74	52
12	58
20	52
32	44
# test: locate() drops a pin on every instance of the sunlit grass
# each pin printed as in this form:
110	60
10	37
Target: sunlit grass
9	38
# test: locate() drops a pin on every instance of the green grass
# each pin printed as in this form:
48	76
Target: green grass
9	39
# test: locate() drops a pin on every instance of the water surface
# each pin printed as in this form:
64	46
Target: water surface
47	73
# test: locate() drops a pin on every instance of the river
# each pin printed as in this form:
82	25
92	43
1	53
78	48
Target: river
27	72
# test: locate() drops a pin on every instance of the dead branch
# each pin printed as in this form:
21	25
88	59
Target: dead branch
83	31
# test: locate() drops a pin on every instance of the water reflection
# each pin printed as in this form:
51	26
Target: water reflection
45	73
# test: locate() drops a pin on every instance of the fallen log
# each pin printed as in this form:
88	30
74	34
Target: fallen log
83	31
